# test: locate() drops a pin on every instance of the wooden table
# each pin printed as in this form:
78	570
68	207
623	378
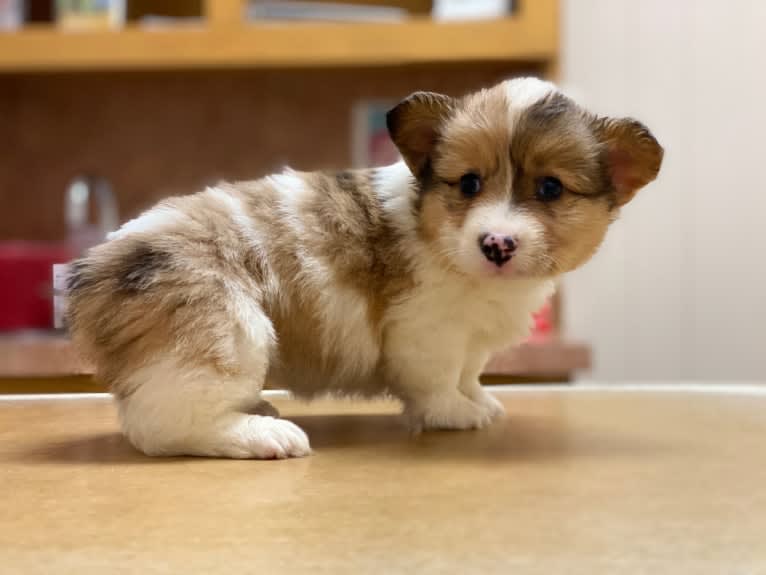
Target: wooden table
578	480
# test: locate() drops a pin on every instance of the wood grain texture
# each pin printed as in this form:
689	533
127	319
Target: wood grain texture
576	482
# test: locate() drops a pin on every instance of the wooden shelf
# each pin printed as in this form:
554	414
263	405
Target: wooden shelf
547	358
529	36
39	354
52	355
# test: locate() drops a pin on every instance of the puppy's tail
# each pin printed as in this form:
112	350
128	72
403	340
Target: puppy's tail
113	310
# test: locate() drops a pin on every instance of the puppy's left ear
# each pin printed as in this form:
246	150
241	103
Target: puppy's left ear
633	155
414	125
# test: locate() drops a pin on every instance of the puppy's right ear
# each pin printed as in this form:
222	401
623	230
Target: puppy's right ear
414	126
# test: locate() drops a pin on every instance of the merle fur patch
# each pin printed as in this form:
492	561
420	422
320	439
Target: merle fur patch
140	268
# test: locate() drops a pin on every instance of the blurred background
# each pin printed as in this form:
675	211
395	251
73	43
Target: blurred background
106	106
677	290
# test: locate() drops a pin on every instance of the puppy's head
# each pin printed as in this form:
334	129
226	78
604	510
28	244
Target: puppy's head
518	180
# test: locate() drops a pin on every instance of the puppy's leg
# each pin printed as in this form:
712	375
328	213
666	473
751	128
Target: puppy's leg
198	411
431	396
183	407
472	388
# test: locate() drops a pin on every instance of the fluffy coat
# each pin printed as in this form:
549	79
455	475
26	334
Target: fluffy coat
399	280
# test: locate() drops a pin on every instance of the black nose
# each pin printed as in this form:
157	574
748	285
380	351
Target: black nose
497	248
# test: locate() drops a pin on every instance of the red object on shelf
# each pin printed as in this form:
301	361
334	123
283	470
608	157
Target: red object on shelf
26	283
543	323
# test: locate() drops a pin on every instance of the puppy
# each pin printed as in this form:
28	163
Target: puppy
400	280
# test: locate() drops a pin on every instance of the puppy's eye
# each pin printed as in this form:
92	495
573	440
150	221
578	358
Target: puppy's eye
549	189
470	184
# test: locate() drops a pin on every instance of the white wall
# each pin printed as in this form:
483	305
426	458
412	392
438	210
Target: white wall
677	290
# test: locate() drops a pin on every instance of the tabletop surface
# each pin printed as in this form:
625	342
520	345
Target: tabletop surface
576	480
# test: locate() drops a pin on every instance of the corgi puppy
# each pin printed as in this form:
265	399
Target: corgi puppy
400	280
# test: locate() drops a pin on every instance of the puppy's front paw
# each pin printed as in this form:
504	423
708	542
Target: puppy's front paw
448	411
489	402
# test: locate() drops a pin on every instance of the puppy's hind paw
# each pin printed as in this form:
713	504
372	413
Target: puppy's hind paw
260	437
278	439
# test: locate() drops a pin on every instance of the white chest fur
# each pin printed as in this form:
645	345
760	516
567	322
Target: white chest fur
448	322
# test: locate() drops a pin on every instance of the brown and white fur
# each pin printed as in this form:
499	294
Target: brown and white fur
361	282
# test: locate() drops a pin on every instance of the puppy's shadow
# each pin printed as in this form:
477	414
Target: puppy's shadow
105	448
519	437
